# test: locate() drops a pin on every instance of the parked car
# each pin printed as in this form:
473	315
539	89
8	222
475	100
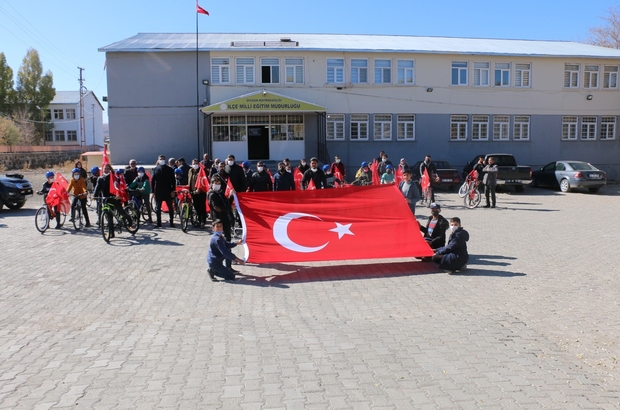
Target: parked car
14	191
570	174
510	174
448	175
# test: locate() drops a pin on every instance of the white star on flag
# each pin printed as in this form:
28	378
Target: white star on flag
342	230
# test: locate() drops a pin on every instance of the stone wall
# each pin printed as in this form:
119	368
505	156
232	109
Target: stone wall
32	160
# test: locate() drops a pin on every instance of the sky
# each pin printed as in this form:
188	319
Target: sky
67	33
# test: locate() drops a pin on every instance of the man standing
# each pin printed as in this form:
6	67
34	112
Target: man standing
314	174
383	164
206	163
163	185
131	172
409	190
490	182
479	168
219	251
185	168
431	170
236	174
260	181
283	180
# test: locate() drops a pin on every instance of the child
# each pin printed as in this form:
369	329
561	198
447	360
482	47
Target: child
78	185
388	175
142	186
219	251
453	257
45	189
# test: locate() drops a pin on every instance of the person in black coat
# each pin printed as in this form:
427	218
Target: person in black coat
303	166
283	180
220	207
260	181
314	174
185	168
454	256
236	174
436	227
163	186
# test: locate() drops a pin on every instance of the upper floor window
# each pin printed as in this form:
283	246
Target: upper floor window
481	74
571	75
588	128
270	70
383	126
459	73
70	113
383	71
590	76
294	70
335	70
501	123
220	71
522	74
502	74
335	127
245	70
569	127
59	115
521	128
458	127
405	72
405	124
359	127
610	76
359	71
480	127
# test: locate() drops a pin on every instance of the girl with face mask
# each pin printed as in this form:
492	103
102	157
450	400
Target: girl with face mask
78	186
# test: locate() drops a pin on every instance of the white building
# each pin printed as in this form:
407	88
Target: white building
270	96
64	114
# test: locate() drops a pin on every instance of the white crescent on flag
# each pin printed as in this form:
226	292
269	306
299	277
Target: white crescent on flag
280	232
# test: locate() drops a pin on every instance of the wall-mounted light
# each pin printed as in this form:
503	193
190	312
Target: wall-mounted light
264	93
205	82
589	97
429	90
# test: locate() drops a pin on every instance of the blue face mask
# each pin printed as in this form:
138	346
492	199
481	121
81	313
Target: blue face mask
218	233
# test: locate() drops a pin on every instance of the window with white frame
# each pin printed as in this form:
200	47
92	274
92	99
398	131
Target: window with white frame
383	71
608	128
335	70
610	76
49	135
359	71
458	127
588	128
481	74
238	130
245	70
294	70
220	71
335	126
270	70
590	76
405	127
501	126
405	72
359	127
383	126
59	135
502	75
523	73
480	127
220	128
569	127
71	135
571	75
59	115
70	113
459	73
287	127
521	128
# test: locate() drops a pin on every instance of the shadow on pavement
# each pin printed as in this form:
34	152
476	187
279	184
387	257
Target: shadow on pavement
490	260
486	272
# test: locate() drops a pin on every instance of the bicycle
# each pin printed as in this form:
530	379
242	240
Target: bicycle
427	195
187	212
138	206
110	220
77	216
473	196
43	216
471	178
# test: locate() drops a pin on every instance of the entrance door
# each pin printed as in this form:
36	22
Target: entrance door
258	142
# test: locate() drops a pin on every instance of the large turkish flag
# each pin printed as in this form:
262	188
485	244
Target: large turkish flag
361	222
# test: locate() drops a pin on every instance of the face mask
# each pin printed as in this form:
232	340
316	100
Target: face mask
76	177
313	169
288	170
218	232
231	163
195	166
383	159
106	174
303	163
327	173
453	228
216	187
435	213
337	161
260	169
426	161
50	180
162	162
140	174
365	169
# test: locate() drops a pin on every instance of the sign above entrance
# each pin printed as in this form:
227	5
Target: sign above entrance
262	101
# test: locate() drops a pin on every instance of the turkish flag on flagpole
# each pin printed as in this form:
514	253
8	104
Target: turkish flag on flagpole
58	195
200	10
105	159
311	185
425	181
329	224
398	175
376	179
202	183
298	177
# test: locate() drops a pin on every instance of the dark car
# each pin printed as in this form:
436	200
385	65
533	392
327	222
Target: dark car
567	175
14	191
448	175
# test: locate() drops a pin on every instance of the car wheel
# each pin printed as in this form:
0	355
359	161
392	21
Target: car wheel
564	185
1	204
534	183
16	205
593	190
518	188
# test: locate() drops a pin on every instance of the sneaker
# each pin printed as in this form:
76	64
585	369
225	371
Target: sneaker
487	206
212	275
88	225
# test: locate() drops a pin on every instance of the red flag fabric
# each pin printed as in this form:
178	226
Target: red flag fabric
229	188
202	183
311	185
105	159
200	10
329	224
376	178
398	175
425	181
298	177
58	195
179	188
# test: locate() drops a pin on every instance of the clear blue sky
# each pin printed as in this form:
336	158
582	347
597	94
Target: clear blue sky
67	33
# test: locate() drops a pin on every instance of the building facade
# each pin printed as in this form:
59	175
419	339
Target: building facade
65	115
270	96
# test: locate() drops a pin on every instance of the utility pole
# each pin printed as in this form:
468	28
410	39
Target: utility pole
82	124
92	106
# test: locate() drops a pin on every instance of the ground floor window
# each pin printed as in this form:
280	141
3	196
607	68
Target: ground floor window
405	125
359	127
588	128
501	125
521	128
480	127
569	127
608	128
283	127
458	127
335	127
383	127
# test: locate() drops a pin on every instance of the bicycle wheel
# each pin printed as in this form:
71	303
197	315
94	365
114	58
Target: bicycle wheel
42	219
63	218
463	189
78	218
106	224
426	197
473	198
184	212
144	212
89	199
133	224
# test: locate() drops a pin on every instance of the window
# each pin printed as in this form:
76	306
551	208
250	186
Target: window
59	135
458	127
294	70
481	74
608	128
610	76
521	128
359	71
571	75
522	74
287	127
71	135
405	127
49	135
48	115
405	71
383	126
335	70
590	76
502	75
588	128
383	71
501	124
70	113
238	131
270	70
295	127
459	73
335	126
569	128
220	129
480	127
359	127
245	70
220	71
59	115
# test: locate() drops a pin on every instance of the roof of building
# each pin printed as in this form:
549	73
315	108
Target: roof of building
71	97
162	42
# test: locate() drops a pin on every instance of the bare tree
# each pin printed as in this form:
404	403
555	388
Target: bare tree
25	125
608	34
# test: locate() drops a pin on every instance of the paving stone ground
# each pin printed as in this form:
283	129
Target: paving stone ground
534	323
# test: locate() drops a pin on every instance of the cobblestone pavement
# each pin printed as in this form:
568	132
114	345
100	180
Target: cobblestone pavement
534	323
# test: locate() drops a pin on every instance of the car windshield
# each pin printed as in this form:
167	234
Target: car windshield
442	165
581	166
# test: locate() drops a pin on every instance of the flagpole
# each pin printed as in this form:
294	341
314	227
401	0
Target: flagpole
197	93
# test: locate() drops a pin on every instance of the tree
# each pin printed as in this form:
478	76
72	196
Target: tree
23	121
34	90
7	94
9	134
607	35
